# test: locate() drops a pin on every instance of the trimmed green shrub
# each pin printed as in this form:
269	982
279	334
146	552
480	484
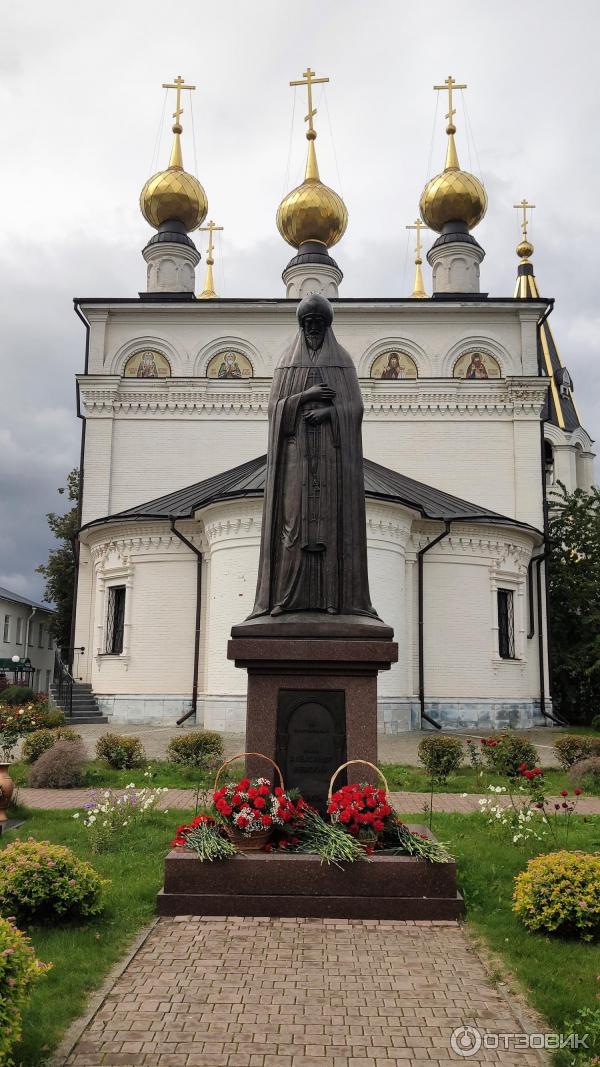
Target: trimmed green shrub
441	756
18	694
586	773
571	748
41	740
595	723
60	767
202	749
42	882
19	971
559	893
506	752
121	751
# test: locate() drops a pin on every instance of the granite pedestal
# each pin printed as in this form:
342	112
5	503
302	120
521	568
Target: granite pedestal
312	695
296	886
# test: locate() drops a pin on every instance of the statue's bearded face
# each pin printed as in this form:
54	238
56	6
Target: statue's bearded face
314	327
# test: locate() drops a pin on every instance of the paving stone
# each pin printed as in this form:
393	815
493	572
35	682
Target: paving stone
234	992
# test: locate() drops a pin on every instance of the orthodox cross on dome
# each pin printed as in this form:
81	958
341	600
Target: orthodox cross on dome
524	206
210	228
308	79
419	289
418	225
208	293
450	85
178	84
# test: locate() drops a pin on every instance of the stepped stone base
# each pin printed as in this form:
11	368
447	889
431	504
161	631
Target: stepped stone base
295	886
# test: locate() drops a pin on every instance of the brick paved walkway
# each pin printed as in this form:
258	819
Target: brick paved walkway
231	992
407	803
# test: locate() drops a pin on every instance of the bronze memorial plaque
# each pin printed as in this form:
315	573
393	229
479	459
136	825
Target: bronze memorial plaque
311	740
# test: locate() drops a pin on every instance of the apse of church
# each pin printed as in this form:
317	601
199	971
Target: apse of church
458	387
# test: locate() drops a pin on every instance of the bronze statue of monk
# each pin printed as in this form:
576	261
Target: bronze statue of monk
313	555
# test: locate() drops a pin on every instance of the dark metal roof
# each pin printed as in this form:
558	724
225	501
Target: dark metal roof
16	598
248	480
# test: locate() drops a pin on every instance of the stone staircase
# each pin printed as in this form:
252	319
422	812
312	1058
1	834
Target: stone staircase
85	705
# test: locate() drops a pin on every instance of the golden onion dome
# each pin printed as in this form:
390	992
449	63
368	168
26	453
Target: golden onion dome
173	195
454	195
312	211
524	249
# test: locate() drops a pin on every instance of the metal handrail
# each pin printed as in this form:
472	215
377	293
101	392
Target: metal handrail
64	682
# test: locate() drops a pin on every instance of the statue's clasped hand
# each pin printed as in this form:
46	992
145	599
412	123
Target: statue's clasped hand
318	392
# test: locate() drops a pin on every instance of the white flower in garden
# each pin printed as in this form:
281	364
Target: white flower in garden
76	815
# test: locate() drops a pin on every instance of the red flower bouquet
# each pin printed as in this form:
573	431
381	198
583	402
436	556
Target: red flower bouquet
362	810
251	809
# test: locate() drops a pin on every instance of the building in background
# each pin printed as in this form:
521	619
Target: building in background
469	415
25	634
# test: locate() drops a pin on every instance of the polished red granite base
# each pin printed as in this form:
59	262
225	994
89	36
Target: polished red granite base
295	886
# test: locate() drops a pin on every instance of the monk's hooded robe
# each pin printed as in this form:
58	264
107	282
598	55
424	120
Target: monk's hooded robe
313	554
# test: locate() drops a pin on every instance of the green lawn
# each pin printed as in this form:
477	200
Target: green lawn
83	953
411	779
558	977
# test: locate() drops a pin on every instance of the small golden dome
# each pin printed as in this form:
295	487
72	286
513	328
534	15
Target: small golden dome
453	196
524	249
312	212
174	195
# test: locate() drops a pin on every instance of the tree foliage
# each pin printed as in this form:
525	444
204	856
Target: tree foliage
59	570
574	601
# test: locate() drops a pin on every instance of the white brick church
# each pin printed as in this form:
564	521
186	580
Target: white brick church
468	416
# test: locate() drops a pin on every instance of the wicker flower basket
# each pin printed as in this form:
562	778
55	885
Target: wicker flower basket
366	836
255	841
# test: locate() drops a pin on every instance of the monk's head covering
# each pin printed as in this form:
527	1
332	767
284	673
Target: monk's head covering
315	304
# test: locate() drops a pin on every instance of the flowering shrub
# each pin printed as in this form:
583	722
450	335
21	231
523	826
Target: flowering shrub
475	754
505	752
586	773
529	814
19	971
253	806
202	749
18	695
109	814
41	882
441	756
38	742
559	893
121	751
362	810
60	767
14	723
571	748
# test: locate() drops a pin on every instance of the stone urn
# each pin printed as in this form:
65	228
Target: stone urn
7	788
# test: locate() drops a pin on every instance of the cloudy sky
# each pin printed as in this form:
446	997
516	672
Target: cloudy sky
81	105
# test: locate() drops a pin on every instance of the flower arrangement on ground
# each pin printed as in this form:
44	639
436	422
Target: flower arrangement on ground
109	813
252	806
206	837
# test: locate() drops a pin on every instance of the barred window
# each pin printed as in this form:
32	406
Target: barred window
19	637
41	635
5	636
115	619
506	624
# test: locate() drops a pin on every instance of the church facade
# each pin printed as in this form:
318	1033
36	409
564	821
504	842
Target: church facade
468	416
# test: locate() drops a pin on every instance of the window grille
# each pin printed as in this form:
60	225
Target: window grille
5	635
41	635
506	624
19	637
115	620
